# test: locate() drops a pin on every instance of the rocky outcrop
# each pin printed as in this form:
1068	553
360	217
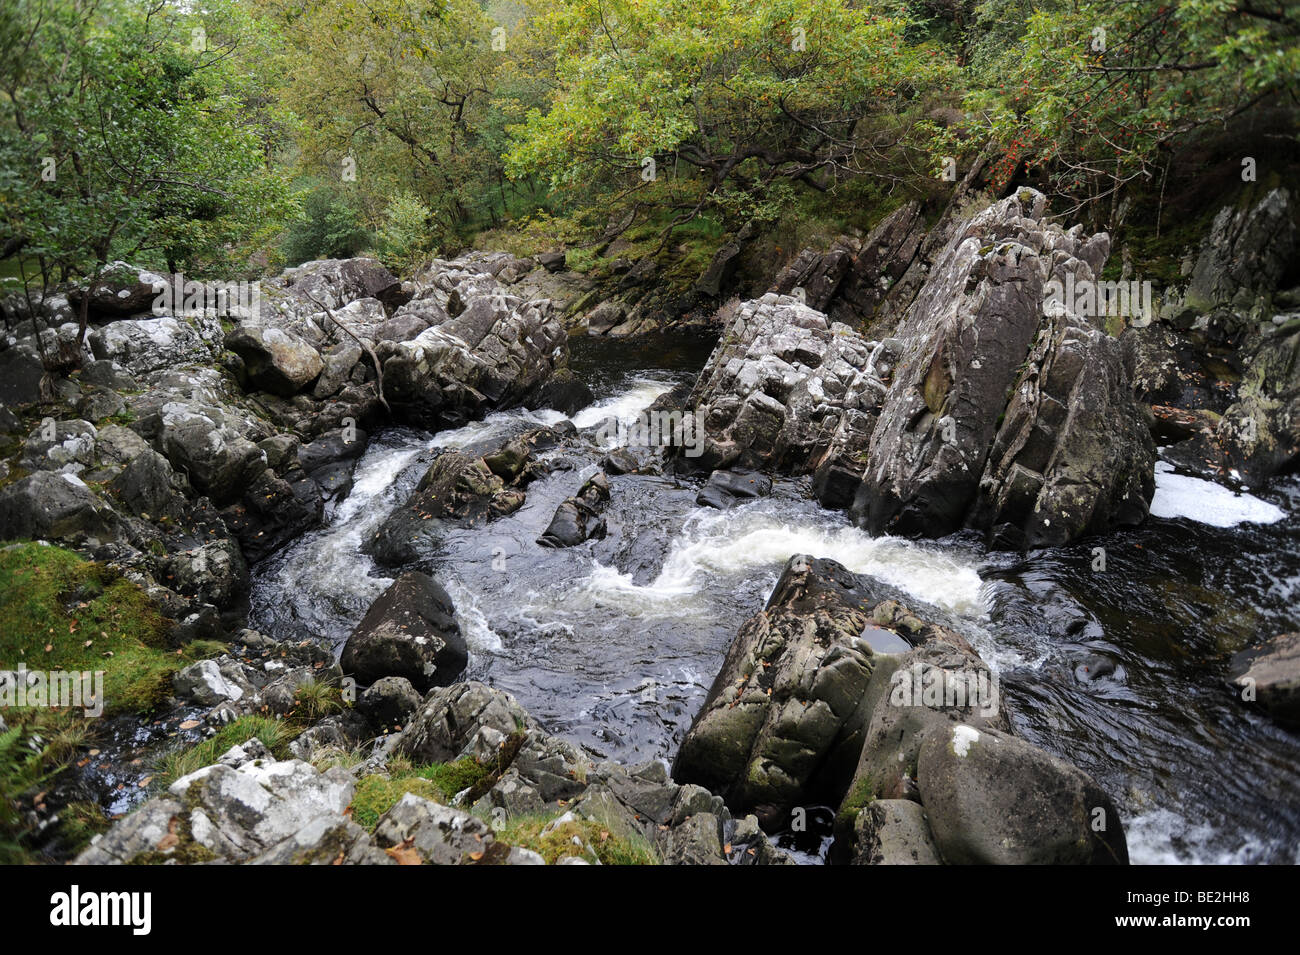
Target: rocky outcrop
979	409
850	280
837	692
46	505
463	488
252	808
410	631
781	724
486	349
782	382
1238	267
1001	417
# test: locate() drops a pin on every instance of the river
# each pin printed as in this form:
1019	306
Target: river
614	643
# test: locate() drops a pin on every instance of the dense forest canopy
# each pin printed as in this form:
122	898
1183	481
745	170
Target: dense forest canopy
234	136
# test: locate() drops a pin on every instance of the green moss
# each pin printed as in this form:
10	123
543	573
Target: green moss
606	846
375	795
59	611
860	797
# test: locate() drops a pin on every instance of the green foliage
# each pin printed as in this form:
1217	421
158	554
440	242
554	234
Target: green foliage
36	745
330	227
276	734
750	96
119	138
1093	91
404	237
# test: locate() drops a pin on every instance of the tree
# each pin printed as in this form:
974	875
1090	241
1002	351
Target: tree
748	95
1094	91
122	138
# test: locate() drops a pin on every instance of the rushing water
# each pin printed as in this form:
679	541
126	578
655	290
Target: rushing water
614	643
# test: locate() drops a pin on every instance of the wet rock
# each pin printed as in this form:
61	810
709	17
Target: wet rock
563	392
1260	431
931	687
726	489
579	518
1270	676
274	511
995	799
780	723
457	487
332	447
409	631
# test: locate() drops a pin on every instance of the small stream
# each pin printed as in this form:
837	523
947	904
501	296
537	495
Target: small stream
614	643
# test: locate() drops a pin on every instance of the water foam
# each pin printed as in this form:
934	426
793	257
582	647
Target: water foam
1178	495
741	541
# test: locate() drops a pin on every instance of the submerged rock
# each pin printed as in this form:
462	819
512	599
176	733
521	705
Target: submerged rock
1270	676
578	518
728	488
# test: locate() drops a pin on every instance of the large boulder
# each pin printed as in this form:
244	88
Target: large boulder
781	724
145	345
409	631
275	360
55	506
1001	417
461	488
191	417
122	290
994	799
